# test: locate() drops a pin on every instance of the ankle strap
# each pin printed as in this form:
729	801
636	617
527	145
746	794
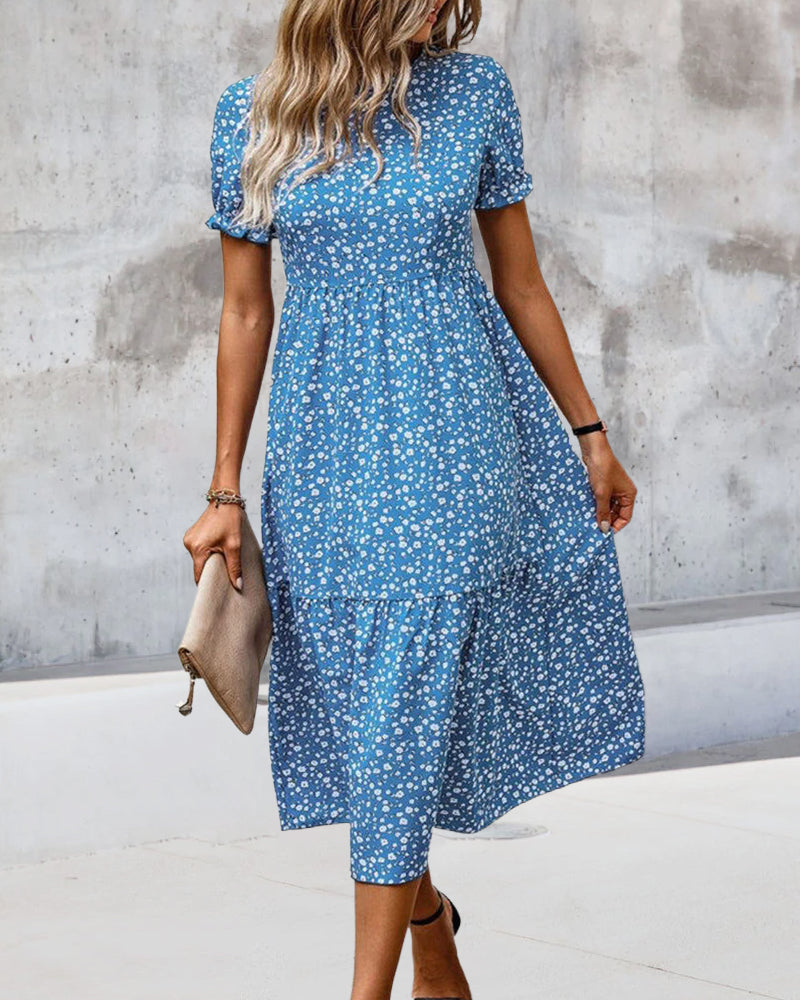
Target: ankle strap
433	916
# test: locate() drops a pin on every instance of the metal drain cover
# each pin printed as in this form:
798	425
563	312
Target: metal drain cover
497	831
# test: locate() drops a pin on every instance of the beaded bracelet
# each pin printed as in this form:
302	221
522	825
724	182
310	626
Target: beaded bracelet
225	496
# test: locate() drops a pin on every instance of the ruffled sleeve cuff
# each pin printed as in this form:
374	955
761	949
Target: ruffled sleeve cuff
224	225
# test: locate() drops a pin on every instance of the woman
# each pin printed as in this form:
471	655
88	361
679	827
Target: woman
450	635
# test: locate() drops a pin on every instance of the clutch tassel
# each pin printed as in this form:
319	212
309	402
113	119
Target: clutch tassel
186	707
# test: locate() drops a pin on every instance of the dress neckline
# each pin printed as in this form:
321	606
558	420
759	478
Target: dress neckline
423	56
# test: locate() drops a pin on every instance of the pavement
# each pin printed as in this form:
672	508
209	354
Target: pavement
674	878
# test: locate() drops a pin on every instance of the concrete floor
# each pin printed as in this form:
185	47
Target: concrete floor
676	878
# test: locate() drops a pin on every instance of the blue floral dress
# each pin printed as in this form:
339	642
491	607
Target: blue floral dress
450	632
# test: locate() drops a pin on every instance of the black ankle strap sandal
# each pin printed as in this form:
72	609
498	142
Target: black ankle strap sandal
439	912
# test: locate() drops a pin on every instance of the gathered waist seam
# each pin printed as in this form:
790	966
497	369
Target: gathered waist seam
428	272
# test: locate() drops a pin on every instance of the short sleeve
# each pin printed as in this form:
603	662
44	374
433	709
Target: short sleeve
503	178
229	137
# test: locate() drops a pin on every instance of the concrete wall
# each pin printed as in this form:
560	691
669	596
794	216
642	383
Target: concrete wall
662	138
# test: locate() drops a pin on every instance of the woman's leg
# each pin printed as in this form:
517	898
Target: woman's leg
382	919
382	916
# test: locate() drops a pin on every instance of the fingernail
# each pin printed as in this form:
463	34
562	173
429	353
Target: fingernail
239	583
605	527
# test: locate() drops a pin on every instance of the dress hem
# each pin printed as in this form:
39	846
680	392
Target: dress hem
522	795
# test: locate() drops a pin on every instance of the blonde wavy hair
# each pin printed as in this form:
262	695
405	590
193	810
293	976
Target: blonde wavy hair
335	61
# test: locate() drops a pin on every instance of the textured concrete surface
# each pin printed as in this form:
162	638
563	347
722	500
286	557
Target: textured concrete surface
674	879
663	141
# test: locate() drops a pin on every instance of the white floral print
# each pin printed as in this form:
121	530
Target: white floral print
451	637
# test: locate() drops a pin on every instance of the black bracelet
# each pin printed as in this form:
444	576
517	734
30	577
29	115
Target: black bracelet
588	428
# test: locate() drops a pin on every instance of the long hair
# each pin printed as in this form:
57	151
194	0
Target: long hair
335	61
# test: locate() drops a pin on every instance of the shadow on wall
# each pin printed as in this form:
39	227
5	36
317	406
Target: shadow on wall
153	311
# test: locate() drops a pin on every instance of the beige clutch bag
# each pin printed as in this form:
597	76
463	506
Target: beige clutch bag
228	633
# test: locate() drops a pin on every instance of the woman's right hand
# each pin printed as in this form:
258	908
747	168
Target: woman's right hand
218	529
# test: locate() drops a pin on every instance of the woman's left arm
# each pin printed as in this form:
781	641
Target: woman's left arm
525	299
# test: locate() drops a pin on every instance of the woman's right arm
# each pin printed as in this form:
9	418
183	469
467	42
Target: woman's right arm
245	331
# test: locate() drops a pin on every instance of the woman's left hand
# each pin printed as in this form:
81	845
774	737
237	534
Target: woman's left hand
613	488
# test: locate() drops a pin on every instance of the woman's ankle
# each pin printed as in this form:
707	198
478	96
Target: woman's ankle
427	900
